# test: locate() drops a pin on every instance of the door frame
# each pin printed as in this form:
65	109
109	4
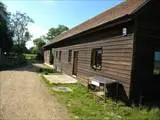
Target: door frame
75	63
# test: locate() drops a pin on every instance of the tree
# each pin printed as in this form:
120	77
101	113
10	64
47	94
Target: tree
53	32
33	50
39	43
5	33
19	23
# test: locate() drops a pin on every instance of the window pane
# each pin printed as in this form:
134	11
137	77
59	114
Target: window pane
99	58
96	58
93	57
157	63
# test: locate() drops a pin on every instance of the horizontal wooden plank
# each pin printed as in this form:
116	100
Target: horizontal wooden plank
117	62
106	58
118	71
117	55
115	58
89	71
119	67
127	50
119	43
84	65
107	67
118	76
106	72
87	45
83	60
117	47
88	58
85	55
119	38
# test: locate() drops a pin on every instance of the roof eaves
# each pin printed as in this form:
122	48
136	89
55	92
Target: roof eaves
99	25
61	37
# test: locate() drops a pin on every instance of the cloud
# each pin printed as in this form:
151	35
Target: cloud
36	32
29	44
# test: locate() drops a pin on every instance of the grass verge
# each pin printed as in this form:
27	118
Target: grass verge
31	57
85	106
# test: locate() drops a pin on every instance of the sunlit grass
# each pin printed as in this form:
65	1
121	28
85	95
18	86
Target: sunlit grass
85	106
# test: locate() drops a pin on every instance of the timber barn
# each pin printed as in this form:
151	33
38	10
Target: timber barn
122	43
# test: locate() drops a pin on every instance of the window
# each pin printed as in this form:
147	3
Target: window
60	55
157	63
96	58
56	54
69	55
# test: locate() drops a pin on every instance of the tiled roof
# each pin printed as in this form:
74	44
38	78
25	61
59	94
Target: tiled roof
125	8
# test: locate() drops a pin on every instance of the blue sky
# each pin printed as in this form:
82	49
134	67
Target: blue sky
51	13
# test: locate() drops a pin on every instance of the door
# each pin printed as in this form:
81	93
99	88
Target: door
75	63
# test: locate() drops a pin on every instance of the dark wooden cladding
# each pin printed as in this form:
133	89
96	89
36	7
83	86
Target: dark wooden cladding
116	59
120	67
128	58
147	39
118	63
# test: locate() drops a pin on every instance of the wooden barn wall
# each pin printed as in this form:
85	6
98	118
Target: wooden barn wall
116	57
147	39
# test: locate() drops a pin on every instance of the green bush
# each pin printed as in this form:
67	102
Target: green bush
12	61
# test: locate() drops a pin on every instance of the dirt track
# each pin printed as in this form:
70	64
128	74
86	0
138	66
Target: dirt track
24	97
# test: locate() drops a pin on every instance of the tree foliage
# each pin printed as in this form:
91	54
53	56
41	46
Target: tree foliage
5	32
53	32
39	42
19	22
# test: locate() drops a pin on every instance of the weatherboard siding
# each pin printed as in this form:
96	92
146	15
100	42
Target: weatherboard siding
116	59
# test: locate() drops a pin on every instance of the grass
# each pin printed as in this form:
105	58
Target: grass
31	57
84	106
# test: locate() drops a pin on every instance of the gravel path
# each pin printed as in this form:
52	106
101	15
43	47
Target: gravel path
24	97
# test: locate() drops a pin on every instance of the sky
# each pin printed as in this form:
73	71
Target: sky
51	13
